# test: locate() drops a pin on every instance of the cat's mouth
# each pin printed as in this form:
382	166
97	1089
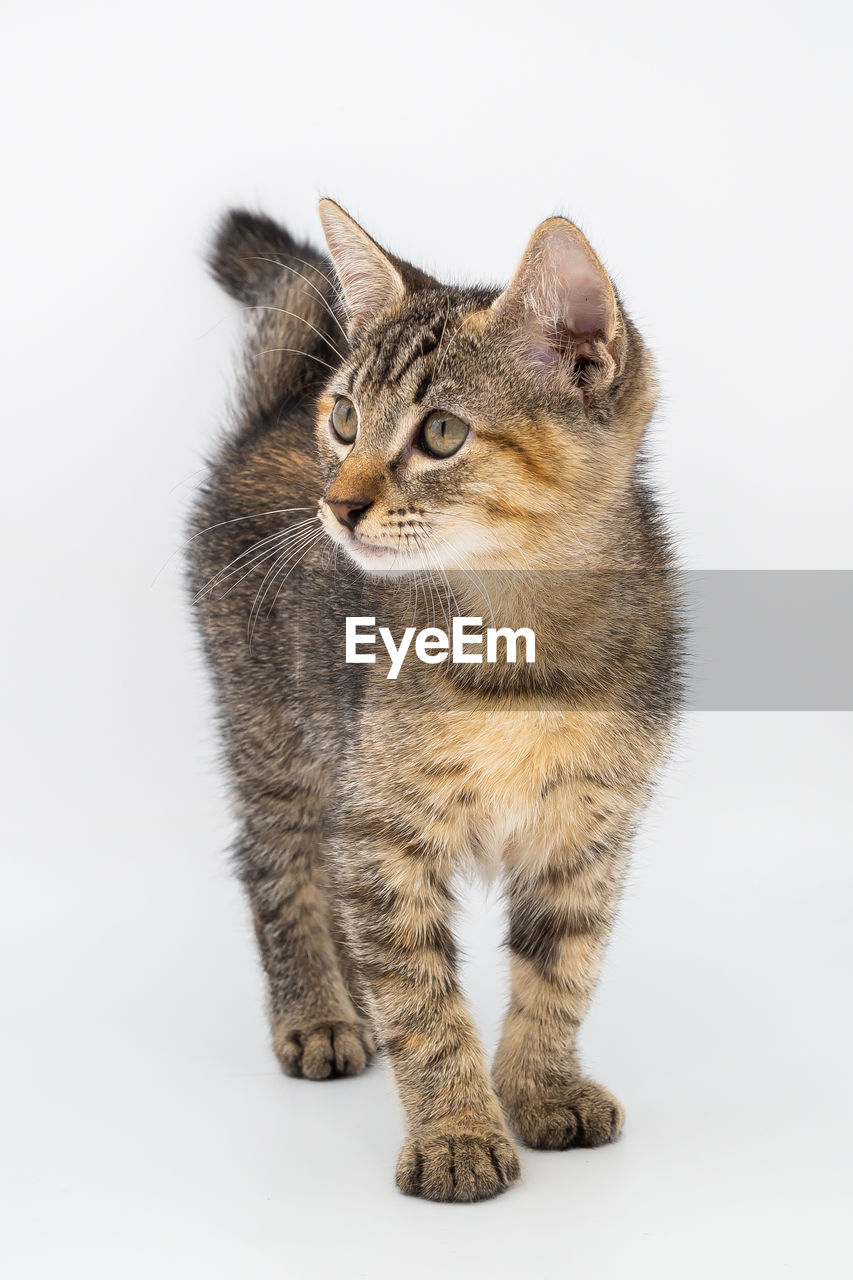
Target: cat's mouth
371	554
373	550
365	554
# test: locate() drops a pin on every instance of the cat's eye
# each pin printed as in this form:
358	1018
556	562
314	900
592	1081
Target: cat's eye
345	420
442	435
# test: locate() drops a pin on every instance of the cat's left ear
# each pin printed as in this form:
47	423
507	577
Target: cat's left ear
563	307
371	282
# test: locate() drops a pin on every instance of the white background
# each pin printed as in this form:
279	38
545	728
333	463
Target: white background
705	150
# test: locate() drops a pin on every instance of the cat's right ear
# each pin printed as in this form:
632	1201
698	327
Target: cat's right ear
371	282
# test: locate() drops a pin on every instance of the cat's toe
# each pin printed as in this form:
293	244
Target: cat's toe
324	1050
580	1114
457	1165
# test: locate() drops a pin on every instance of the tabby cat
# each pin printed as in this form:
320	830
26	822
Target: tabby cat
408	452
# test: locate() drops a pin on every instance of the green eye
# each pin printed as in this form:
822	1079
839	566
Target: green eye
345	420
443	435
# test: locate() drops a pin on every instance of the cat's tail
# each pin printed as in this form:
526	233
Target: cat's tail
296	331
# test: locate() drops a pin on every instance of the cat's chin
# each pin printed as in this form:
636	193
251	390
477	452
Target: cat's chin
382	562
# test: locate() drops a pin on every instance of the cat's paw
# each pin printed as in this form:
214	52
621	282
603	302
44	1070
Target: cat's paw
324	1050
457	1164
580	1114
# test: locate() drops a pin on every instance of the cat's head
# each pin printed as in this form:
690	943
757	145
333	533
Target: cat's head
478	428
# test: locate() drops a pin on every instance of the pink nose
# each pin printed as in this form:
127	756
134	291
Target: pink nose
349	511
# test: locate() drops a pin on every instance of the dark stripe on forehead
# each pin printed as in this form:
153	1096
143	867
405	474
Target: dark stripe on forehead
395	342
426	344
396	347
387	351
371	359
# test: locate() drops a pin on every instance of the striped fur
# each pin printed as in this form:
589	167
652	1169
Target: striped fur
360	799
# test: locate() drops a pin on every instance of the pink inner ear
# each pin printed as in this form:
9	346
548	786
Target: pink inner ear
574	293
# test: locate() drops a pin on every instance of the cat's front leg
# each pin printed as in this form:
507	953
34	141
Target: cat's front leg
397	904
317	1032
560	917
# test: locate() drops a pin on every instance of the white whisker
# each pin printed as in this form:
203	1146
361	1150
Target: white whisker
294	315
285	266
302	550
284	556
255	515
296	351
469	572
290	570
281	537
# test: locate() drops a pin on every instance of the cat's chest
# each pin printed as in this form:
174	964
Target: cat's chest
529	775
512	754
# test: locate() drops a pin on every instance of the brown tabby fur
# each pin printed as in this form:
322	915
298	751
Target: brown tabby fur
360	798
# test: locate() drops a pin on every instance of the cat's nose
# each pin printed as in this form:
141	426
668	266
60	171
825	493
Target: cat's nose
350	511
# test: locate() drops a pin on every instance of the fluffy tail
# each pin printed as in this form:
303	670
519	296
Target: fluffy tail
295	334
